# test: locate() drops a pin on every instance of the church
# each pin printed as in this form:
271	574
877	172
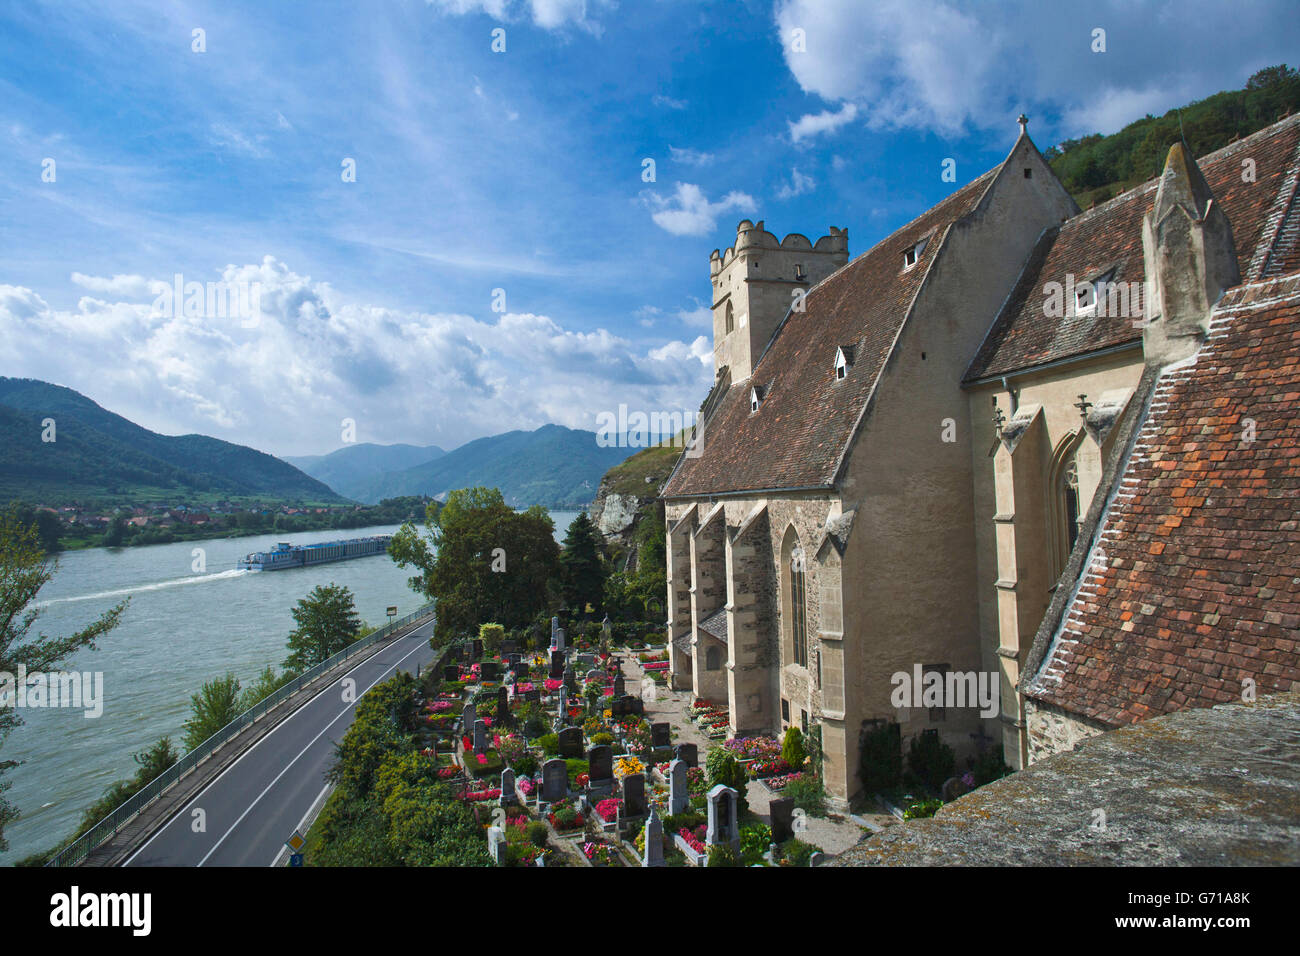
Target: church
1013	444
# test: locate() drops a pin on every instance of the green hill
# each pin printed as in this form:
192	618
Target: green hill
1096	168
553	466
350	469
100	456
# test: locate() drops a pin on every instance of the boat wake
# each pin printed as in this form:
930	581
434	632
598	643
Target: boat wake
156	586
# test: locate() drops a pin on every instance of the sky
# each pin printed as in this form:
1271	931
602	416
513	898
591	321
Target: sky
442	240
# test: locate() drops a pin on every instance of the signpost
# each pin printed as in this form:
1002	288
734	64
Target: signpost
392	610
295	844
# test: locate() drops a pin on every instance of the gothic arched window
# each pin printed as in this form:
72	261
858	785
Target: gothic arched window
798	608
731	321
1069	493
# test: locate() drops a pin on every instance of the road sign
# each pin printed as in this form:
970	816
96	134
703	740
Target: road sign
295	842
295	859
392	610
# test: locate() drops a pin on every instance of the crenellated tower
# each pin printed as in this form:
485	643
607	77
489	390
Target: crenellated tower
754	284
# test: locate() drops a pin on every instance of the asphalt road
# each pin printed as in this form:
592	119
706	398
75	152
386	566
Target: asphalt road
258	801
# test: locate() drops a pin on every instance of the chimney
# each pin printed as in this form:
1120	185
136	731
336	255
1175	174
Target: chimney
1191	261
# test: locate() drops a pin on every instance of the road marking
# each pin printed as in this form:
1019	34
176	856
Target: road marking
302	824
300	709
216	846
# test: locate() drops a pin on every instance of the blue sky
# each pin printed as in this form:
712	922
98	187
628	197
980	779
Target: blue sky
518	170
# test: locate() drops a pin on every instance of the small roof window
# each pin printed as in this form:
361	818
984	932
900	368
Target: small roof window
913	254
756	397
843	361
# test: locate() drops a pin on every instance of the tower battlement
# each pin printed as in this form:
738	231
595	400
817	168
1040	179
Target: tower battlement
756	280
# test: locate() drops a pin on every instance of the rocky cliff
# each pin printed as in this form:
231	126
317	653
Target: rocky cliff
628	493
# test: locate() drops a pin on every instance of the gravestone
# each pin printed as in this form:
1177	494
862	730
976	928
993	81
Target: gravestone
557	639
678	795
584	660
782	810
661	735
570	679
555	780
513	660
816	858
594	674
723	827
451	672
654	841
690	753
522	669
620	686
497	845
600	764
507	786
571	742
634	804
562	707
509	647
533	696
476	650
480	736
503	705
557	664
467	718
488	670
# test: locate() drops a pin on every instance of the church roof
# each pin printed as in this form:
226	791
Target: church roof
807	416
1190	589
1109	237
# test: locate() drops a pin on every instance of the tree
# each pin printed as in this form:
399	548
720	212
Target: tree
481	561
1270	76
115	534
583	571
327	622
24	569
215	705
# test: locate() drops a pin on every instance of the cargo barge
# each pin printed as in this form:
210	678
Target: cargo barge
285	555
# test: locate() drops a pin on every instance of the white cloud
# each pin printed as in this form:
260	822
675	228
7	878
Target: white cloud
827	121
797	186
689	212
317	356
547	14
1112	109
668	102
236	140
689	157
134	287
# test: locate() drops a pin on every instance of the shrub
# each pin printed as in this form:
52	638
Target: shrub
537	833
491	635
989	766
808	795
754	841
792	751
930	760
722	767
922	809
723	855
550	744
686	820
881	764
794	852
599	739
525	765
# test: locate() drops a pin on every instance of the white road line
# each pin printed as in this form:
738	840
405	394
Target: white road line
302	824
216	846
300	709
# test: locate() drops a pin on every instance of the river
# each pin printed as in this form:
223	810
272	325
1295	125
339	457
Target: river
180	629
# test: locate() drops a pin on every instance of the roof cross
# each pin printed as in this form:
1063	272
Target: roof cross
1083	405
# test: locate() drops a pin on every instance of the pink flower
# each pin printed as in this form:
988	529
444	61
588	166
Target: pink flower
482	759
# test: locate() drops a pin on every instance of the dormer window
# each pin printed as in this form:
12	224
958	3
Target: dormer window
843	359
756	397
1087	294
911	256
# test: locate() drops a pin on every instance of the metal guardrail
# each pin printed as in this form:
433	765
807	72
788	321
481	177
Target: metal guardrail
106	828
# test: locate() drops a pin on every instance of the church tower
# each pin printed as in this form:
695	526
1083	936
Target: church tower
756	281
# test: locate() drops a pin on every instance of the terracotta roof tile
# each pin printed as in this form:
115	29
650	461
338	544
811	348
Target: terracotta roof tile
1110	237
1194	584
806	419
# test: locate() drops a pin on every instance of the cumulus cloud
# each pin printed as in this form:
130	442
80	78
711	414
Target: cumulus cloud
689	212
315	357
797	186
827	121
133	287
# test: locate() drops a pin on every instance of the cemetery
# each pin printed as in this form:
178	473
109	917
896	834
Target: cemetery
553	751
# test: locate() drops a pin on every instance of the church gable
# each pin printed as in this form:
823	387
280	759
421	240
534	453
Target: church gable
808	414
1253	180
